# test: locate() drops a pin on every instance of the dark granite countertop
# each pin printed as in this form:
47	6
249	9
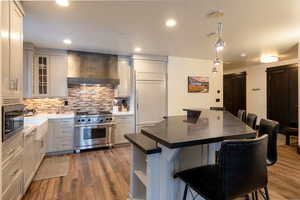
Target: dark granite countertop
144	143
210	127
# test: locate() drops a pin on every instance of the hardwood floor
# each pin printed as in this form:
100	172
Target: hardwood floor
94	175
104	175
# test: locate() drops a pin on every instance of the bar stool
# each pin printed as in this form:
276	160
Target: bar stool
234	174
291	130
271	128
251	120
242	115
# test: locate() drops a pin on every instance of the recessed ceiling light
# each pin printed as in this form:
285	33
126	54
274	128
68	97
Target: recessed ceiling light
171	23
269	59
243	54
63	3
137	49
67	41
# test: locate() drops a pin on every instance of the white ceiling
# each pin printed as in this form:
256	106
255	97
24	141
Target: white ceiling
253	26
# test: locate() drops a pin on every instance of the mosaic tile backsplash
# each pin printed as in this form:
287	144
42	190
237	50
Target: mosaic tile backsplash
80	98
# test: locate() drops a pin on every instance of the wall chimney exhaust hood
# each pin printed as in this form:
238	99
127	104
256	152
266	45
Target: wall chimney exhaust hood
92	68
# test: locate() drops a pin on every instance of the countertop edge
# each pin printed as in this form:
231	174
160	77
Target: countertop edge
153	150
197	142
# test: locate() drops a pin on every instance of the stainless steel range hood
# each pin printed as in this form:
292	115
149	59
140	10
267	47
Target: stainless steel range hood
92	68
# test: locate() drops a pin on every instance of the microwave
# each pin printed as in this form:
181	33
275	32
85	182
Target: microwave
12	120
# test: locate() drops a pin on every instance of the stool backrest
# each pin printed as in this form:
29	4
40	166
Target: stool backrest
251	120
271	128
242	115
243	166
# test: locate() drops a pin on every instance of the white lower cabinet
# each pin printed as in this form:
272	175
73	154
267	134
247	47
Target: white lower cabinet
124	125
29	157
15	191
12	168
61	135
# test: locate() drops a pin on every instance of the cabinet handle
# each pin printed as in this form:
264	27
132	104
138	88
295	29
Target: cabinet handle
11	84
14	173
16	84
11	152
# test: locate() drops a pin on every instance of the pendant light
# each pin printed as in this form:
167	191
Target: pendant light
217	61
220	44
214	70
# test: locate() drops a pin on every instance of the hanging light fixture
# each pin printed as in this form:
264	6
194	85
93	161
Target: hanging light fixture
214	70
220	44
217	61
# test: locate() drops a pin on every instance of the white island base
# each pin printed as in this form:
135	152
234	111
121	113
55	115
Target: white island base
152	174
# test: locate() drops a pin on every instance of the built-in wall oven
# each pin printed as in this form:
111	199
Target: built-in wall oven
12	120
93	131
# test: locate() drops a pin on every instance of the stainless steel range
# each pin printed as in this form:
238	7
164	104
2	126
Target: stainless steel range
93	130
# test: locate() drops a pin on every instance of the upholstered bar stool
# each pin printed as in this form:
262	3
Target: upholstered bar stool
242	115
234	174
251	120
270	128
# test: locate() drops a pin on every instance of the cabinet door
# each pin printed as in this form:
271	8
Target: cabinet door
58	76
41	78
151	101
16	50
61	135
4	49
28	158
28	76
124	125
124	71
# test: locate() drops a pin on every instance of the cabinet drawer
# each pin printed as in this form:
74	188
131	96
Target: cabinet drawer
11	146
66	121
15	190
124	120
11	170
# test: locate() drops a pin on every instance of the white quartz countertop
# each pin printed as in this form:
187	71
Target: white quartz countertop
39	119
123	113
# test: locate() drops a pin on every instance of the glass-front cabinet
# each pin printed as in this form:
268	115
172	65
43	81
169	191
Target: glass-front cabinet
41	75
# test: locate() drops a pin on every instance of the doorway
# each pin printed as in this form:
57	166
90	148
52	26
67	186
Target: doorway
282	98
235	92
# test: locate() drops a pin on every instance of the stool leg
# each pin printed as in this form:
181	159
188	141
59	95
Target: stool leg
287	139
256	195
185	192
267	193
253	197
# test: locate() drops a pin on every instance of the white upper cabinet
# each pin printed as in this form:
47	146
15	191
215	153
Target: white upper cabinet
12	50
46	73
58	76
124	71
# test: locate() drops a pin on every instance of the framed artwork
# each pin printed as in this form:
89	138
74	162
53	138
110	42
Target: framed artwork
198	84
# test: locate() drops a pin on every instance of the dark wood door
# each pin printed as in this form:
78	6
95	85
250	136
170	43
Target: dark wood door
293	95
282	98
235	92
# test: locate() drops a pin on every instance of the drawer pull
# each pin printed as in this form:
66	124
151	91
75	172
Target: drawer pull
11	152
14	173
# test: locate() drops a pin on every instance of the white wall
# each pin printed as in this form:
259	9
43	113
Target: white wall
178	97
257	79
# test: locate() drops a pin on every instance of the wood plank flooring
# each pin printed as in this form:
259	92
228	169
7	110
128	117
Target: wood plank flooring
104	175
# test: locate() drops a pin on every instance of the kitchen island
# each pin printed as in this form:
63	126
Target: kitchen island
178	143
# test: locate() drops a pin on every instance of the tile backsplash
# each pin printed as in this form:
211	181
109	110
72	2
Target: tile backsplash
80	98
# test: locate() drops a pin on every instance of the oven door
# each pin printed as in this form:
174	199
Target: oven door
92	136
12	120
